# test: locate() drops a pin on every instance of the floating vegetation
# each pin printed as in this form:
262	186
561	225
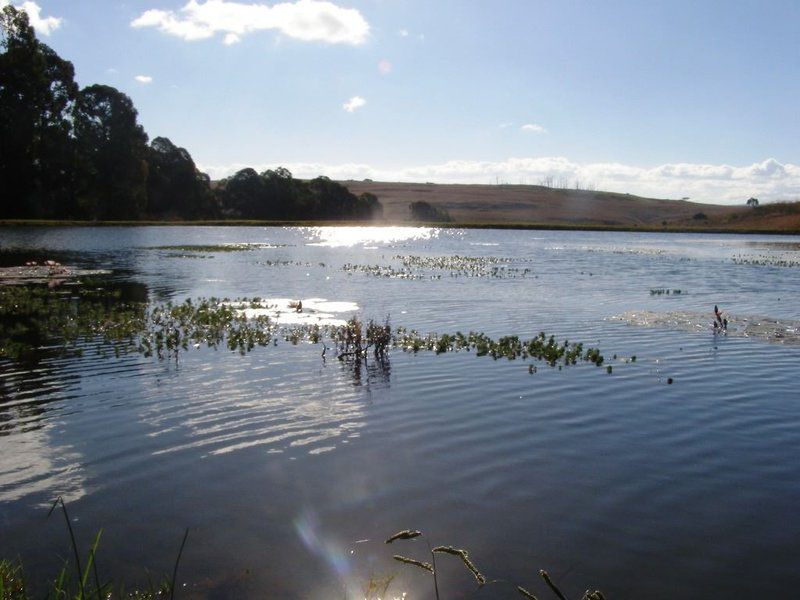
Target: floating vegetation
768	260
213	322
201	256
48	272
381	271
33	318
287	263
233	247
625	250
666	292
464	266
436	267
541	347
39	317
768	329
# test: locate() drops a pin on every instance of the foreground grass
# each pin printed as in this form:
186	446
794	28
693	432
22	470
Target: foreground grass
81	580
481	580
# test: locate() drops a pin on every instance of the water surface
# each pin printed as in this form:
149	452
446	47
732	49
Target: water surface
291	470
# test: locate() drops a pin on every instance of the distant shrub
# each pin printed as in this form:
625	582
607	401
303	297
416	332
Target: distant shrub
424	211
700	217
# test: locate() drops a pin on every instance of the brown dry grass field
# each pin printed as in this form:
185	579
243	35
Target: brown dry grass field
531	204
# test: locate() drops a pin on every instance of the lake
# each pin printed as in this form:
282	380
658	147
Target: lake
676	475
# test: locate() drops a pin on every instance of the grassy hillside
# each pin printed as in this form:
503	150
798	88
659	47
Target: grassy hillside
518	204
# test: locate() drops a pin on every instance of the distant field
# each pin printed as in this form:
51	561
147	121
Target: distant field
530	206
520	204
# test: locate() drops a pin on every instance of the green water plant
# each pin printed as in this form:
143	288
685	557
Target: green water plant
35	318
542	347
241	247
785	259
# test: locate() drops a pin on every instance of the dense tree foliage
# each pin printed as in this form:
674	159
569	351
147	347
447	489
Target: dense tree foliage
67	152
175	188
37	93
425	211
276	195
111	151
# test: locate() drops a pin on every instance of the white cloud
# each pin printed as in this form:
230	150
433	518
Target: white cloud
723	184
42	25
533	128
144	79
385	67
354	103
403	33
305	20
231	38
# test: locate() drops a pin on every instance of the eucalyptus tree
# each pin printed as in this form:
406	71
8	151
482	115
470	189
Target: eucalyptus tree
111	154
37	96
174	185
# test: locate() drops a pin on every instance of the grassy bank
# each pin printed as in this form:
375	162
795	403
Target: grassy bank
521	225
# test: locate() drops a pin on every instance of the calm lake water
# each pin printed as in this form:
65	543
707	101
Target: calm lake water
290	470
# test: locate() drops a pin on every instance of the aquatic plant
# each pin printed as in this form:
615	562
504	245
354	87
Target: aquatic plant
542	347
786	259
480	578
32	318
240	247
38	317
435	267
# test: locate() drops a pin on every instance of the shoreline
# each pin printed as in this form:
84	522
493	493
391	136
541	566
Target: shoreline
13	223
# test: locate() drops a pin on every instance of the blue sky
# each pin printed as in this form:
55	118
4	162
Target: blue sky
668	99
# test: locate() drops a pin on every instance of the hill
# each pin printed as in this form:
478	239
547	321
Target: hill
531	204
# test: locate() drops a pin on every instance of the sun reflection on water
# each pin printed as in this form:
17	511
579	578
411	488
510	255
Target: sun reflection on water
339	237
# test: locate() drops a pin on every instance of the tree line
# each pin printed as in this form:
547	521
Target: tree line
72	153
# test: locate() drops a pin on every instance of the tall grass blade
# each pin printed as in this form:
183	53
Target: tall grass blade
177	562
552	585
91	566
435	578
58	501
525	593
406	534
413	561
464	556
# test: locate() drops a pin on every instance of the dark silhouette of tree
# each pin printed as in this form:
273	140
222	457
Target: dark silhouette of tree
284	197
369	207
331	199
424	211
111	154
243	192
276	195
37	93
753	202
83	154
174	185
